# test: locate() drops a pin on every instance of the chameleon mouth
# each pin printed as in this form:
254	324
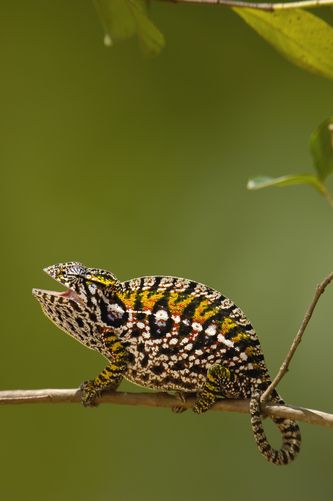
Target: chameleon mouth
68	294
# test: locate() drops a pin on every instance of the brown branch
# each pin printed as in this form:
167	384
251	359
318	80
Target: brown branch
285	365
270	7
161	400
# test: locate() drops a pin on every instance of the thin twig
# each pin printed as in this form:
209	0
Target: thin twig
284	367
270	7
161	400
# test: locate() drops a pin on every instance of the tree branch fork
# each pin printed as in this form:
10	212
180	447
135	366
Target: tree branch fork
311	416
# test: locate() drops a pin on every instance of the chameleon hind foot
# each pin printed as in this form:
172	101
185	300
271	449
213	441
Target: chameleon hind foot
181	396
217	378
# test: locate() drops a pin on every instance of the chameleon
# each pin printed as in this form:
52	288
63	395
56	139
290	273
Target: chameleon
168	334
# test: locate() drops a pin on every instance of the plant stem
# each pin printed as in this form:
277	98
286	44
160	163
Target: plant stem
271	7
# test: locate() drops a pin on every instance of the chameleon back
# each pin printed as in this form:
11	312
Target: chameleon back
176	329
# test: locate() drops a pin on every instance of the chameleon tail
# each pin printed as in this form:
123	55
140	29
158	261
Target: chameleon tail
291	437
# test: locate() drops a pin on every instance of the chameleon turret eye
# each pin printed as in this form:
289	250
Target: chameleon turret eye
168	334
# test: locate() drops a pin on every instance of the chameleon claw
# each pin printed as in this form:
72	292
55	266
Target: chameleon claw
89	394
179	409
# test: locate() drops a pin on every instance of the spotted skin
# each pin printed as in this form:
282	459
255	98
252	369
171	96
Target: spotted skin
168	334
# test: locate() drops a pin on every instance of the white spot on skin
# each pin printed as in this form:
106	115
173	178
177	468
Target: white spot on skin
116	310
173	341
243	356
196	326
188	347
161	315
92	288
198	352
211	330
146	335
141	325
225	341
176	319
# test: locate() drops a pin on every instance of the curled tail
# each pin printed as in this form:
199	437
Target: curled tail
291	436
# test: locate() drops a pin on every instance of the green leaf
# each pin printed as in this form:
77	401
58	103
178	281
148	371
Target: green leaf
265	182
151	39
117	19
303	38
123	19
321	147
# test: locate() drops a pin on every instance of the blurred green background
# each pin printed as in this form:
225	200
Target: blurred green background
140	166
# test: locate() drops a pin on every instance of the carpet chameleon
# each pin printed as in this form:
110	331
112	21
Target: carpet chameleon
169	334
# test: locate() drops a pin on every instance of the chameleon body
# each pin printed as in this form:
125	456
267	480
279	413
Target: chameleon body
169	334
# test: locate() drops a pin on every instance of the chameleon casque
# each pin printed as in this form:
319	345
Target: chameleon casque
169	334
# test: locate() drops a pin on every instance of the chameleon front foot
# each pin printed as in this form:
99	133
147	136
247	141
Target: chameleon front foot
89	393
109	379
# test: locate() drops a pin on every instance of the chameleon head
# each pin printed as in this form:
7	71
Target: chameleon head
77	310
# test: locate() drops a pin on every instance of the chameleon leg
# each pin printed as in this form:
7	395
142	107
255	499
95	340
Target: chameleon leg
218	379
111	376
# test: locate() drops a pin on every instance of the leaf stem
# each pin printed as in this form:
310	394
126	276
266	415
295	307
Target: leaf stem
270	7
324	191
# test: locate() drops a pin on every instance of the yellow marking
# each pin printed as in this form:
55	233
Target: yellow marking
227	325
128	299
112	337
201	313
239	337
102	280
149	300
116	346
249	350
177	307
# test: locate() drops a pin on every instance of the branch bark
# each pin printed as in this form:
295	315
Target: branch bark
72	396
270	7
